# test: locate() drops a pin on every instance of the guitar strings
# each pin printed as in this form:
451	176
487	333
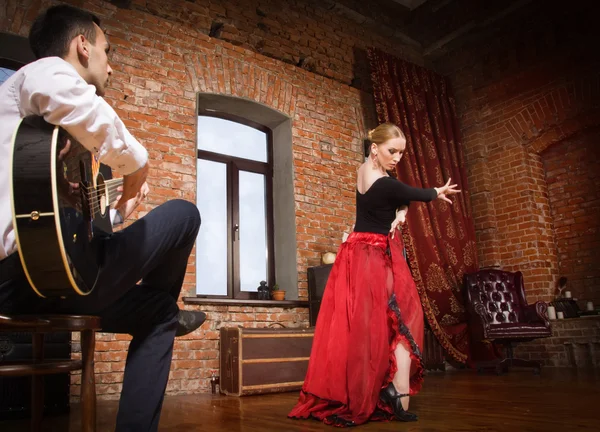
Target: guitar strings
92	194
101	191
108	183
94	200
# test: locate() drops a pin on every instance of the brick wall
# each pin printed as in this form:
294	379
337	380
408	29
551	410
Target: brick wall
300	60
574	343
326	37
572	169
522	85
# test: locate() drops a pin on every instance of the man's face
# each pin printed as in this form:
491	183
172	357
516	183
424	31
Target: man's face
99	70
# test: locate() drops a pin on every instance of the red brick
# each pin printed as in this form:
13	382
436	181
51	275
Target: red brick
526	214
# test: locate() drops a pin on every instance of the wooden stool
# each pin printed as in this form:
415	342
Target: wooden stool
38	367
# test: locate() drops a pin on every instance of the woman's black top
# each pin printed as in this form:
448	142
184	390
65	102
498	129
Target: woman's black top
376	208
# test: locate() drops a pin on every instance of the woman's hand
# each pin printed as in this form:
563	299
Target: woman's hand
400	219
445	191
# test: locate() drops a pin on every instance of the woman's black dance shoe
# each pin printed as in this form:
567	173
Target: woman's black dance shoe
334	420
390	396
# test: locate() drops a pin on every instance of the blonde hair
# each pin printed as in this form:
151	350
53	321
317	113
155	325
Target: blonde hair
385	132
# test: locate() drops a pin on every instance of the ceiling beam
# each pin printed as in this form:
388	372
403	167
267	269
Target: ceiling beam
410	4
363	20
440	43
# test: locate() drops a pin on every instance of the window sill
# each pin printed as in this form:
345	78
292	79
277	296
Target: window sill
243	302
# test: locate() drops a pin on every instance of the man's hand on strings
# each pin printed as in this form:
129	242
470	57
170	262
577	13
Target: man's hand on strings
131	204
132	185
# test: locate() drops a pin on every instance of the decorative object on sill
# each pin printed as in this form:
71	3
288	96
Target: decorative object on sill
590	309
560	315
214	381
568	294
328	258
568	307
277	294
560	286
551	312
263	291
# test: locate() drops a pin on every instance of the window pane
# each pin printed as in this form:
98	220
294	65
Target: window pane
231	138
211	247
253	239
5	74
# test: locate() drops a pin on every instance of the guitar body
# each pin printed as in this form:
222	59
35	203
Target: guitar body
60	203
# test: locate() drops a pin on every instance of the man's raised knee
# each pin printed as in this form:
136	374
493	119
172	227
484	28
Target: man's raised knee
183	209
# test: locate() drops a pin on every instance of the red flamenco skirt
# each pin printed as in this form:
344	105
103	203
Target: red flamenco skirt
369	306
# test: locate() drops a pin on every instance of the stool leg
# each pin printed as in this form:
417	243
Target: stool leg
37	384
88	383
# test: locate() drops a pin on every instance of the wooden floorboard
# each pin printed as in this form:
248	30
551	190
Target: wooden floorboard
558	400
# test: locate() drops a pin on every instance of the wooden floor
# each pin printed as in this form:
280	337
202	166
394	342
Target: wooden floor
558	400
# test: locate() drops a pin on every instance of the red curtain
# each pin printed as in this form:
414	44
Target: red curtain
439	237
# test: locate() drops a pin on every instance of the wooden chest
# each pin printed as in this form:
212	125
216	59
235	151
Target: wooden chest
267	360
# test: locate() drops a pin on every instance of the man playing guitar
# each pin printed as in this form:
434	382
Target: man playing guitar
65	86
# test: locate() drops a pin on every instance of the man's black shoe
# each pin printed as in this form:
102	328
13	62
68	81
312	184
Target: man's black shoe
188	321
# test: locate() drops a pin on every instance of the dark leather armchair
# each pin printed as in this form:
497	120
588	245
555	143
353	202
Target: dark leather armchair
498	312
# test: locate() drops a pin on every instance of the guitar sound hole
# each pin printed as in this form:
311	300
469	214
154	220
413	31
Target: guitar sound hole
103	205
101	193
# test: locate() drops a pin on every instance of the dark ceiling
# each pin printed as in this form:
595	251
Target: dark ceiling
435	27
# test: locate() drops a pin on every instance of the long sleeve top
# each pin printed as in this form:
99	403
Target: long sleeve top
376	208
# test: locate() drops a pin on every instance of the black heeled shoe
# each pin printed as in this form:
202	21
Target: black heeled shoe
334	420
390	396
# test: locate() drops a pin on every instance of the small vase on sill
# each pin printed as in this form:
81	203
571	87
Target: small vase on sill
277	294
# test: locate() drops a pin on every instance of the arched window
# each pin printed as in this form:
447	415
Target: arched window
234	193
245	197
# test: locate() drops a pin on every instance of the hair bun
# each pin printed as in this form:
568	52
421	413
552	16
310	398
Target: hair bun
370	134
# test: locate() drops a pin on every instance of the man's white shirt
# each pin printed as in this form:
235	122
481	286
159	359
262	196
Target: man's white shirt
52	88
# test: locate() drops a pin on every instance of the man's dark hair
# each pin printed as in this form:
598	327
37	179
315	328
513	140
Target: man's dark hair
53	31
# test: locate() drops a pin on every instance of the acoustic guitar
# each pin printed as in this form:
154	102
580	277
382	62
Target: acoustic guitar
60	198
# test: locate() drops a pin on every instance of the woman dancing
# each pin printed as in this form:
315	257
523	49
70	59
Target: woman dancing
366	360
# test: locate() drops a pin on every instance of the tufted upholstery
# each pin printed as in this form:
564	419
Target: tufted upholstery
498	308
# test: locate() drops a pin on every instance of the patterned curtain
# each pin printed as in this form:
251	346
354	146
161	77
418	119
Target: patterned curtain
439	237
